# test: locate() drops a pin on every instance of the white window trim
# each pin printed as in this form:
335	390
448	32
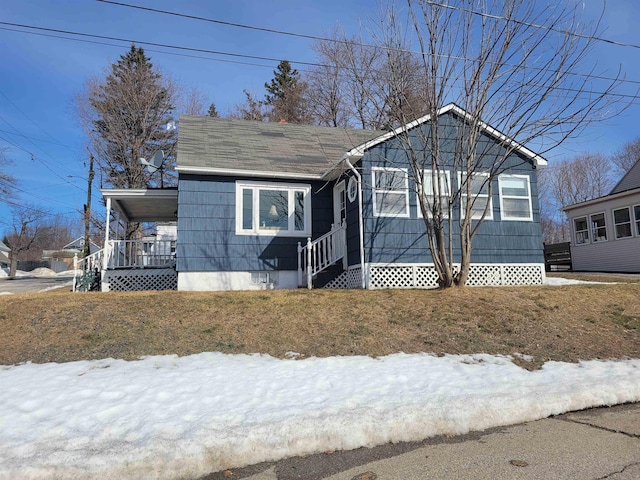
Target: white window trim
575	232
636	228
591	232
445	210
502	197
463	195
615	225
288	187
374	191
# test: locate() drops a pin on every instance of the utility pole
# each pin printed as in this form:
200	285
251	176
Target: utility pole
87	209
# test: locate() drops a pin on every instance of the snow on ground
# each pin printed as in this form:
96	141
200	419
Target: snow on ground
169	417
557	281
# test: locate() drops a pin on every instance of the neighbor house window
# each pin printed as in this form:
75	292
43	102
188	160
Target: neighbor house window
636	213
273	209
622	222
598	228
444	190
581	229
479	196
515	197
390	192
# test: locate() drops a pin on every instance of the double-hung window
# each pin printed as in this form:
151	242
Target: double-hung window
598	227
480	199
622	222
515	197
636	213
273	209
442	189
390	192
581	229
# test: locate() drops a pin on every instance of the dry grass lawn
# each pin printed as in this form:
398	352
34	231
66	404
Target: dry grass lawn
566	323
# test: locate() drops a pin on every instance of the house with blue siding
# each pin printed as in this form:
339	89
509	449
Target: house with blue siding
275	205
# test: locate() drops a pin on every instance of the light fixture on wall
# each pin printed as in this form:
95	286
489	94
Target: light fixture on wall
273	212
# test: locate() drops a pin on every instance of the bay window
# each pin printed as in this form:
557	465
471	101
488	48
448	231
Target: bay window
273	209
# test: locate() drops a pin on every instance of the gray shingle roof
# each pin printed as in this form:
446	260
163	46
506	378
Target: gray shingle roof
228	144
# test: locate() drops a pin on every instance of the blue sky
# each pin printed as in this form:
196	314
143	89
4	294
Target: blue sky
39	76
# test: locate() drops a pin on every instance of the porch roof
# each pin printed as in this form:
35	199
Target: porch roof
144	205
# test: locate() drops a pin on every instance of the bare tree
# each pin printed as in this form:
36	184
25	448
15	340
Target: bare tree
194	103
25	231
576	180
250	109
7	182
518	67
579	179
627	156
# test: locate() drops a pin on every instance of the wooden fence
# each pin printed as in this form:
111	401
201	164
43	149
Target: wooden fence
557	256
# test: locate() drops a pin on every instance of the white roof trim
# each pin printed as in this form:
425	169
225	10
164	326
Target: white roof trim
360	149
138	192
595	201
227	172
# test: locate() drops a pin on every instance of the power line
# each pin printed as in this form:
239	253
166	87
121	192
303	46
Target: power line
533	25
312	64
34	157
186	55
29	118
41	140
325	39
163	45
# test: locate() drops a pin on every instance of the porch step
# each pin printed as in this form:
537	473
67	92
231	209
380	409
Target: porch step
328	275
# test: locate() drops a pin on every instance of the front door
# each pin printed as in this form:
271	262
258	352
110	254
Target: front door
340	213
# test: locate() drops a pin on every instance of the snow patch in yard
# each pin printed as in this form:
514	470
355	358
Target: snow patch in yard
557	281
169	417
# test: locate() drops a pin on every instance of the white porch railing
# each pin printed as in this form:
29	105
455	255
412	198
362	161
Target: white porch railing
321	253
140	253
90	267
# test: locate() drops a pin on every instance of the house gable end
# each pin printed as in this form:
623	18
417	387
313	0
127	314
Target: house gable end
630	181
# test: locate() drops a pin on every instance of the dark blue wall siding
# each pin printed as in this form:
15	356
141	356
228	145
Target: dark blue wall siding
403	240
206	226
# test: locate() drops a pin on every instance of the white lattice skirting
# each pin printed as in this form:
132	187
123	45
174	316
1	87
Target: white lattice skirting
351	278
136	280
425	276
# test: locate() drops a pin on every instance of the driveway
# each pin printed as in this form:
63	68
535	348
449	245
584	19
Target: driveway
34	284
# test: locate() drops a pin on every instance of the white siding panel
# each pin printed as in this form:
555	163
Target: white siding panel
614	256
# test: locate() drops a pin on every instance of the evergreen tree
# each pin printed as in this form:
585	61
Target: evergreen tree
286	95
213	112
126	116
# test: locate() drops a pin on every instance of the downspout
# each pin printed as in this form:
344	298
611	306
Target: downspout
360	221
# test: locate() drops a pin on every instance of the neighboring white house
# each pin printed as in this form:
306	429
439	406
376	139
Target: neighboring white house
4	255
605	232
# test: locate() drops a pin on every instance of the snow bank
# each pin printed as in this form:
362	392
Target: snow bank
170	417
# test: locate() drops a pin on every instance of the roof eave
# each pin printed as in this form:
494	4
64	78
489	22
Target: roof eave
226	172
535	159
595	201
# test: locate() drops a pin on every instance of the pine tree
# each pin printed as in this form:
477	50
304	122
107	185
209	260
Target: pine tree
286	95
126	116
213	112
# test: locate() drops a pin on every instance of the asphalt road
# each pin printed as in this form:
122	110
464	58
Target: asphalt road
591	444
33	284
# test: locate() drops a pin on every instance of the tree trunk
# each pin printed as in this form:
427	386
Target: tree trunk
13	264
